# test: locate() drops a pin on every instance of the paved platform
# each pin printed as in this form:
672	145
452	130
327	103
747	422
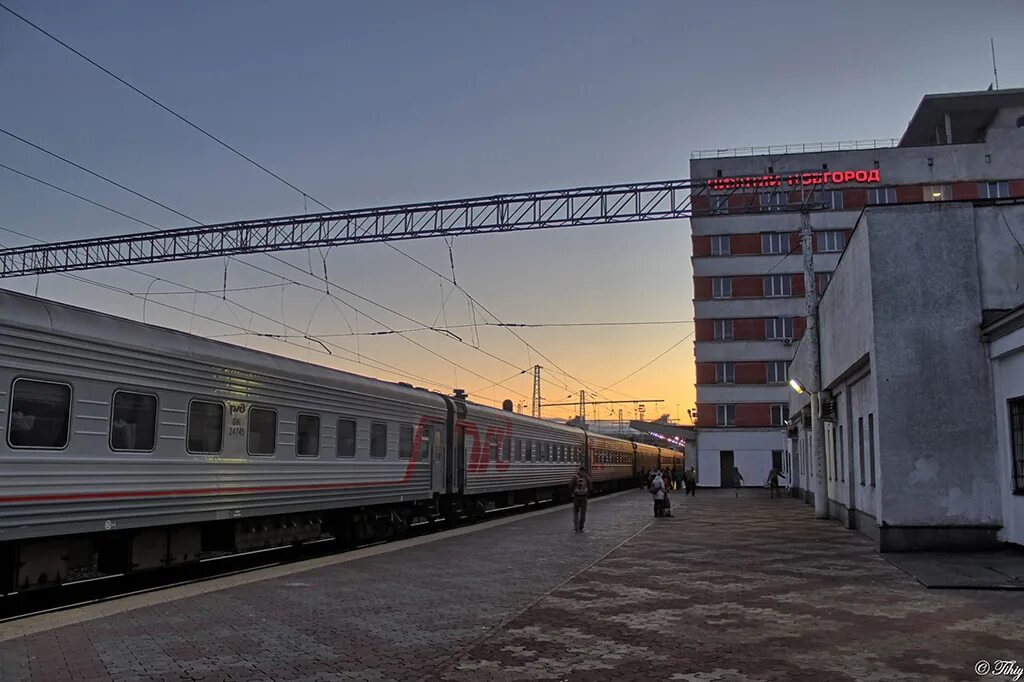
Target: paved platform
729	589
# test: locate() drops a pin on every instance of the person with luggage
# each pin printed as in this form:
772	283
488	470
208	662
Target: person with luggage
580	489
657	489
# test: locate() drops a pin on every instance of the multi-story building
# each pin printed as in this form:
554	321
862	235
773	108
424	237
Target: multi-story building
748	266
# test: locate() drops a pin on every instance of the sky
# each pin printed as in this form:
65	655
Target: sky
367	104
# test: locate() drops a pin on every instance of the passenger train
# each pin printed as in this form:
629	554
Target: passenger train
128	446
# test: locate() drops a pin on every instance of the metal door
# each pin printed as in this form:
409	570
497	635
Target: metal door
726	461
459	472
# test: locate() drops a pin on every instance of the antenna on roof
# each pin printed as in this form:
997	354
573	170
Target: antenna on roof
995	72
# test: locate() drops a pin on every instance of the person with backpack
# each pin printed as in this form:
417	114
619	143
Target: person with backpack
657	489
580	489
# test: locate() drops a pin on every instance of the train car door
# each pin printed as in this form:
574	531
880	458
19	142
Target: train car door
437	472
458	472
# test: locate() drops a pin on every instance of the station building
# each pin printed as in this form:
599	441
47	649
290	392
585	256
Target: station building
748	267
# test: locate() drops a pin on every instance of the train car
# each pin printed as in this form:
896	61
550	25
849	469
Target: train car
671	459
610	461
648	458
145	445
503	457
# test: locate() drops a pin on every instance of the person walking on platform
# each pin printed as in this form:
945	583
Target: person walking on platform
690	481
580	489
677	478
773	481
737	480
658	491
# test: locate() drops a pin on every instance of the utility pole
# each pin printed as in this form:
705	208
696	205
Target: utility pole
813	354
536	392
621	430
583	409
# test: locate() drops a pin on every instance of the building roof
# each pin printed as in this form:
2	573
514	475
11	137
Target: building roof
970	114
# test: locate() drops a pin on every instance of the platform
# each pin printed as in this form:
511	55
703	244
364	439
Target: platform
729	589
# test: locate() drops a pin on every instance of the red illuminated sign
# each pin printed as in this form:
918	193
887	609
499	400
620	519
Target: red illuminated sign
795	180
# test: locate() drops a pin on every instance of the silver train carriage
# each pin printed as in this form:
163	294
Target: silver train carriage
131	446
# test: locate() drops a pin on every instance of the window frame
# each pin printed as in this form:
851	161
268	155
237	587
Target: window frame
725	408
830	241
773	322
386	434
871	446
928	193
771	368
860	442
783	413
777	243
721	287
319	433
1002	188
888	193
337	437
827	197
719	240
731	329
156	420
725	372
223	423
784	288
771	201
10	413
718	204
1015	412
412	438
248	434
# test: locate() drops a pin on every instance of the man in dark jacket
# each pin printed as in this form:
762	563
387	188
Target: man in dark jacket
580	489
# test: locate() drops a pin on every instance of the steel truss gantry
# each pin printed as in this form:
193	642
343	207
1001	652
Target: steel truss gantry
600	205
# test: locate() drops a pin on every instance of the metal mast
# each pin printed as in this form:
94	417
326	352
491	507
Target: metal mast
536	391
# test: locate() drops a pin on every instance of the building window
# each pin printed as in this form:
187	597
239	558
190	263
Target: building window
1016	407
378	440
777	371
821	280
842	458
205	427
723	330
993	190
860	442
346	438
721	287
937	193
725	372
778	285
720	245
405	441
831	241
881	195
780	413
262	431
778	328
775	242
726	415
830	199
720	204
40	414
772	201
871	447
307	435
133	422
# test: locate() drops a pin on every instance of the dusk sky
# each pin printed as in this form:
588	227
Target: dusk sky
365	104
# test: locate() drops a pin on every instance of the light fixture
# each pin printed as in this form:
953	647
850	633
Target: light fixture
796	386
937	195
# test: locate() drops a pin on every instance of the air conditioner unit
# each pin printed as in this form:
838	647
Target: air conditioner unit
787	342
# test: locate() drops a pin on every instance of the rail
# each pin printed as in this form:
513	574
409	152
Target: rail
799	148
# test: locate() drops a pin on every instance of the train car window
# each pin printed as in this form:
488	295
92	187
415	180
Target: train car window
438	445
425	437
346	438
378	440
205	427
506	449
262	431
547	452
307	436
405	441
132	422
40	414
529	450
517	453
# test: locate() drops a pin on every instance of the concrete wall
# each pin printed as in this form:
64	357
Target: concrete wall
1000	232
1007	355
752	454
935	425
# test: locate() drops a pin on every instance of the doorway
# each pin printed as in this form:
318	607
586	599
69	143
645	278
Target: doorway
725	458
